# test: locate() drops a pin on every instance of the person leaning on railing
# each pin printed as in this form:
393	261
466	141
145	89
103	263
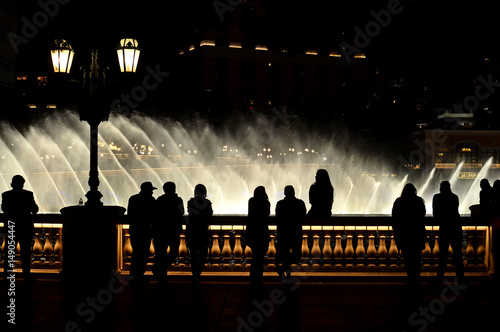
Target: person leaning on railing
408	214
19	205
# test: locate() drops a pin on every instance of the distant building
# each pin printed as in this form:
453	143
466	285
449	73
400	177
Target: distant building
456	140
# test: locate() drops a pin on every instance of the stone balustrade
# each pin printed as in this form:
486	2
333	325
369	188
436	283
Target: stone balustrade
345	243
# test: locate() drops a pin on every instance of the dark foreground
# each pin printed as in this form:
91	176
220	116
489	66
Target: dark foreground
309	304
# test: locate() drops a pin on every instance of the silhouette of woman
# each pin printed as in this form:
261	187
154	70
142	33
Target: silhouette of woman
408	214
321	196
257	232
200	212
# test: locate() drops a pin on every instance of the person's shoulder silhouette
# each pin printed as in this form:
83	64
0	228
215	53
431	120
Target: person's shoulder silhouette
321	195
199	206
18	202
143	203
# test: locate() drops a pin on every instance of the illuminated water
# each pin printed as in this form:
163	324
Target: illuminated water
53	157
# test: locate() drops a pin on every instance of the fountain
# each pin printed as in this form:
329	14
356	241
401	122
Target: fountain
52	155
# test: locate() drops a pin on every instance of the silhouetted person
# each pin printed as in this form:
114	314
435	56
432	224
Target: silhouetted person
19	206
200	212
167	228
321	196
408	214
486	196
290	215
445	210
141	211
257	232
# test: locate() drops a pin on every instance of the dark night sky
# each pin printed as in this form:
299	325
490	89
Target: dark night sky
447	33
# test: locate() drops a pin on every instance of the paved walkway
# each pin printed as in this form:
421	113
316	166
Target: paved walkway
306	305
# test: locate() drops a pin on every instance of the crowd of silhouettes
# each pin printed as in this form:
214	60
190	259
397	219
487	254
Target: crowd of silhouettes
162	220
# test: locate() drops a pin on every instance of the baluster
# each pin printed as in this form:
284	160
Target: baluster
349	250
337	255
394	253
371	251
382	250
360	250
271	252
36	248
304	251
226	249
315	251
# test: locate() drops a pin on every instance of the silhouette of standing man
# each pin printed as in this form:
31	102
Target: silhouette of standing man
408	213
200	212
19	205
445	210
257	232
167	228
321	196
142	211
290	215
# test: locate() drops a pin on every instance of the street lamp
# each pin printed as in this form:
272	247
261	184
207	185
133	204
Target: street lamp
62	56
128	55
92	267
95	106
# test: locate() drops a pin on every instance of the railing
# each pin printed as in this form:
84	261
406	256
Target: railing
361	243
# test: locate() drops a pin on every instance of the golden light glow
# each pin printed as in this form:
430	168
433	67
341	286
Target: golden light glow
207	43
128	55
62	56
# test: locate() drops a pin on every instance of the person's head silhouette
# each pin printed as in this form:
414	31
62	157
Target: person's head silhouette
200	190
409	190
484	184
260	193
169	188
17	182
147	188
323	178
289	191
445	187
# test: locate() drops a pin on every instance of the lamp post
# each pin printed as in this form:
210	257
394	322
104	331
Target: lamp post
94	106
92	220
